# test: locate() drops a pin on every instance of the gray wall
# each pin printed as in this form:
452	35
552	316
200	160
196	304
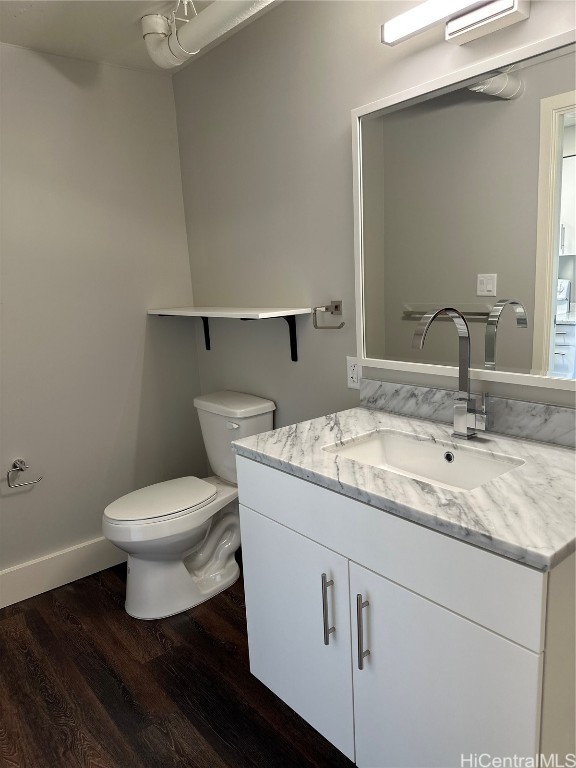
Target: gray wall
95	396
265	147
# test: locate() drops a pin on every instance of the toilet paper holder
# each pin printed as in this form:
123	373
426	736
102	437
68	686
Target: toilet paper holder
19	465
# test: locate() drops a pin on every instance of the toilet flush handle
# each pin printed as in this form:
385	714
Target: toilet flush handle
232	425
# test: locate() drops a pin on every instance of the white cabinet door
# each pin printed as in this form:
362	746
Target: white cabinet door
284	609
435	685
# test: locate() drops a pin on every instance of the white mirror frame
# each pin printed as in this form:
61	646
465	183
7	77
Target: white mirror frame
442	84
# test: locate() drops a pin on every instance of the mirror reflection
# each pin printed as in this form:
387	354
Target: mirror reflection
449	218
563	346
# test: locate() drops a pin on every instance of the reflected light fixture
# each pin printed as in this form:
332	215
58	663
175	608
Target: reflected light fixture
466	19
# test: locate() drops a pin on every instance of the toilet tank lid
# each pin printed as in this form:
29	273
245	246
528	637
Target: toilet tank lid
234	404
161	499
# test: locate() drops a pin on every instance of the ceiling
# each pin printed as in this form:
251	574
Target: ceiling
96	30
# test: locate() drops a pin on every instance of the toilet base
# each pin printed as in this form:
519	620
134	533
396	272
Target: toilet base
156	589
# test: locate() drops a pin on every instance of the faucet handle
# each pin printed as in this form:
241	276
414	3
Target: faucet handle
470	415
481	411
481	421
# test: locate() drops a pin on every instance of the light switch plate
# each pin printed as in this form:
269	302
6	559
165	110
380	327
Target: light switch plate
486	285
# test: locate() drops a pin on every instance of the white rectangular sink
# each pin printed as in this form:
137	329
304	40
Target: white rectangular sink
455	466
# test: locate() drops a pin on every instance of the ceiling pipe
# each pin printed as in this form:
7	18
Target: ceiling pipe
505	85
169	47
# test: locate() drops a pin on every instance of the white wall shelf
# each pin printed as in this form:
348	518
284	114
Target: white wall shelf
239	313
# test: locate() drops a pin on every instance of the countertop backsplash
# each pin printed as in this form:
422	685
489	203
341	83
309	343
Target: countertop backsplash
533	421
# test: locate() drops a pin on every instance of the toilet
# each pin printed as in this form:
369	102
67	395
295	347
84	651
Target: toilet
181	535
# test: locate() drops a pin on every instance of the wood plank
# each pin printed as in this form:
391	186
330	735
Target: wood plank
40	698
171	739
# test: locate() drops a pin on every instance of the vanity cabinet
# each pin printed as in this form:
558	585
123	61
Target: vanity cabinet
436	686
455	634
283	578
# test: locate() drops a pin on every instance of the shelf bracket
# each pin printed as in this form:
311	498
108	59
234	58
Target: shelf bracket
206	325
291	320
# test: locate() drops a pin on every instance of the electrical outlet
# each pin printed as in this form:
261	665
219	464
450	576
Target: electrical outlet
353	373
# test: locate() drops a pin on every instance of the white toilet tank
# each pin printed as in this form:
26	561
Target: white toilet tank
227	416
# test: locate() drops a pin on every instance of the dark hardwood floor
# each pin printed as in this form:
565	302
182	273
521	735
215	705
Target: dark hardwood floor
83	684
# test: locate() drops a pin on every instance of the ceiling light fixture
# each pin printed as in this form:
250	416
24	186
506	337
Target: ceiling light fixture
464	17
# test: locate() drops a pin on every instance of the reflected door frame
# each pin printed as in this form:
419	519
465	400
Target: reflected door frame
552	111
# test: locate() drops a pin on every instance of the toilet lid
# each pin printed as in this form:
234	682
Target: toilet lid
162	499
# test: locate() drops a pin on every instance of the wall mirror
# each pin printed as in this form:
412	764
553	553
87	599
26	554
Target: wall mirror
452	185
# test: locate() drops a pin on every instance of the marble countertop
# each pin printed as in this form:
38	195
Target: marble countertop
527	515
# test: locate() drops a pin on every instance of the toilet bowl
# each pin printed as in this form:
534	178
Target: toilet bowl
181	535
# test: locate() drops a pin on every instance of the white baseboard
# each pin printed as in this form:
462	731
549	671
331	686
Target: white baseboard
35	576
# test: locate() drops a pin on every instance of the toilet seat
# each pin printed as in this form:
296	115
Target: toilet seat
167	500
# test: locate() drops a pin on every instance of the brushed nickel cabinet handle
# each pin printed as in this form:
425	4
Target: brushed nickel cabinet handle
325	620
361	652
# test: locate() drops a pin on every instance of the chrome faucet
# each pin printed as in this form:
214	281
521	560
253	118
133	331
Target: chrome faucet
492	328
469	412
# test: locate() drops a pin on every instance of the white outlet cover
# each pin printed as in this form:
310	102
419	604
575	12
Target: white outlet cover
353	373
